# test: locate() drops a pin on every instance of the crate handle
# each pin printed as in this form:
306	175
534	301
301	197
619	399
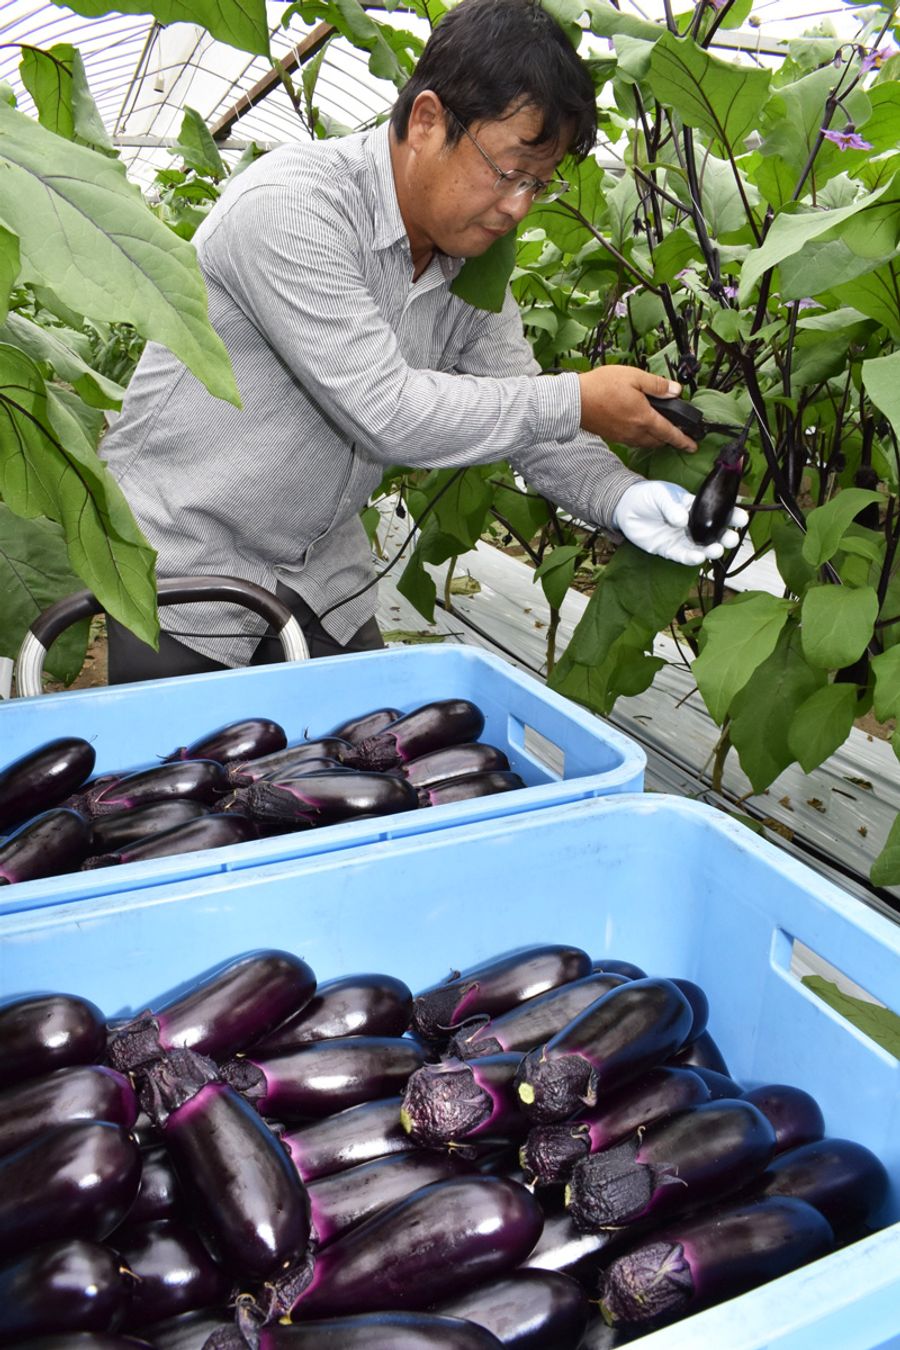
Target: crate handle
537	747
48	625
853	1003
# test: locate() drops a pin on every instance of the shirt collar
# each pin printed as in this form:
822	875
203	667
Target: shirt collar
389	227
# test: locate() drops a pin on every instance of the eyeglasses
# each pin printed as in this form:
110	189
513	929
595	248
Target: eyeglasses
515	182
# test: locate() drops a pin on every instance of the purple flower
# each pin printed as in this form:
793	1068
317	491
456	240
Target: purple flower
730	292
620	309
874	60
846	140
808	303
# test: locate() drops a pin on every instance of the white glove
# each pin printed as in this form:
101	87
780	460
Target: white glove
654	516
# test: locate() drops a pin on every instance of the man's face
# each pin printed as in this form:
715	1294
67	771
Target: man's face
454	203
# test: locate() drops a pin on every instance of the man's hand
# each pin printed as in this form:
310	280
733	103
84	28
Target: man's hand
654	516
614	406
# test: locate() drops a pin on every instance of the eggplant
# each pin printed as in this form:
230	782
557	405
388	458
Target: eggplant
795	1116
367	1331
843	1180
244	1195
44	1032
242	773
564	1248
433	726
45	846
76	1180
189	1331
323	798
80	1092
213	830
356	729
352	1005
610	966
701	1052
634	1027
87	1340
122	828
532	1022
441	1240
159	1195
719	1084
43	778
221	1013
716	498
526	1310
174	1271
693	1157
453	761
456	1100
344	1199
714	1255
247	739
495	986
474	785
323	1077
699	1007
200	780
357	1135
552	1150
59	1287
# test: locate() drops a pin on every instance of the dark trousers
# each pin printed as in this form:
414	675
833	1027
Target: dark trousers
131	660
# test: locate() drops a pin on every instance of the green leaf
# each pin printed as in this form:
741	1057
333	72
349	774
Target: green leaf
47	344
787	540
673	254
240	23
826	525
762	713
882	127
49	467
877	293
35	573
418	588
9	267
196	147
107	256
822	266
737	637
881	380
822	724
556	571
875	1021
457	502
57	82
482	281
837	624
607	21
723	209
793	118
526	512
886	669
717	96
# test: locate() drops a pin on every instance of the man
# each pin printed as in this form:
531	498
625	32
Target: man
328	266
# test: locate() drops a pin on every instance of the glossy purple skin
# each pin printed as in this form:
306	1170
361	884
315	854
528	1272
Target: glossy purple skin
612	966
352	1005
495	986
372	1331
702	1052
443	1239
42	778
526	1310
433	726
357	1135
159	1195
80	1092
175	1273
87	1340
48	845
715	499
563	1247
318	1079
466	787
124	828
533	1022
719	1084
59	1287
44	1032
795	1115
717	1254
243	772
248	739
324	797
201	780
212	830
843	1180
453	761
368	724
699	1007
76	1180
457	1100
221	1013
190	1331
341	1201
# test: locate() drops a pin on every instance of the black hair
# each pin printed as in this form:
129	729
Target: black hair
489	58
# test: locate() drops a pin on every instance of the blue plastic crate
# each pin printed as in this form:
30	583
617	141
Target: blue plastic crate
561	751
673	885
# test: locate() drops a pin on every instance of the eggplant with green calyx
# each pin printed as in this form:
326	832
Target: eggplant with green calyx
365	1331
495	986
211	830
456	1100
464	789
323	798
244	1195
357	1135
720	1252
61	1287
344	1199
795	1115
357	729
43	778
693	1157
433	726
526	1310
78	1092
632	1028
174	1272
532	1022
48	845
715	499
551	1151
201	780
219	1014
241	773
121	829
250	738
76	1180
843	1180
701	1052
43	1032
351	1005
453	761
